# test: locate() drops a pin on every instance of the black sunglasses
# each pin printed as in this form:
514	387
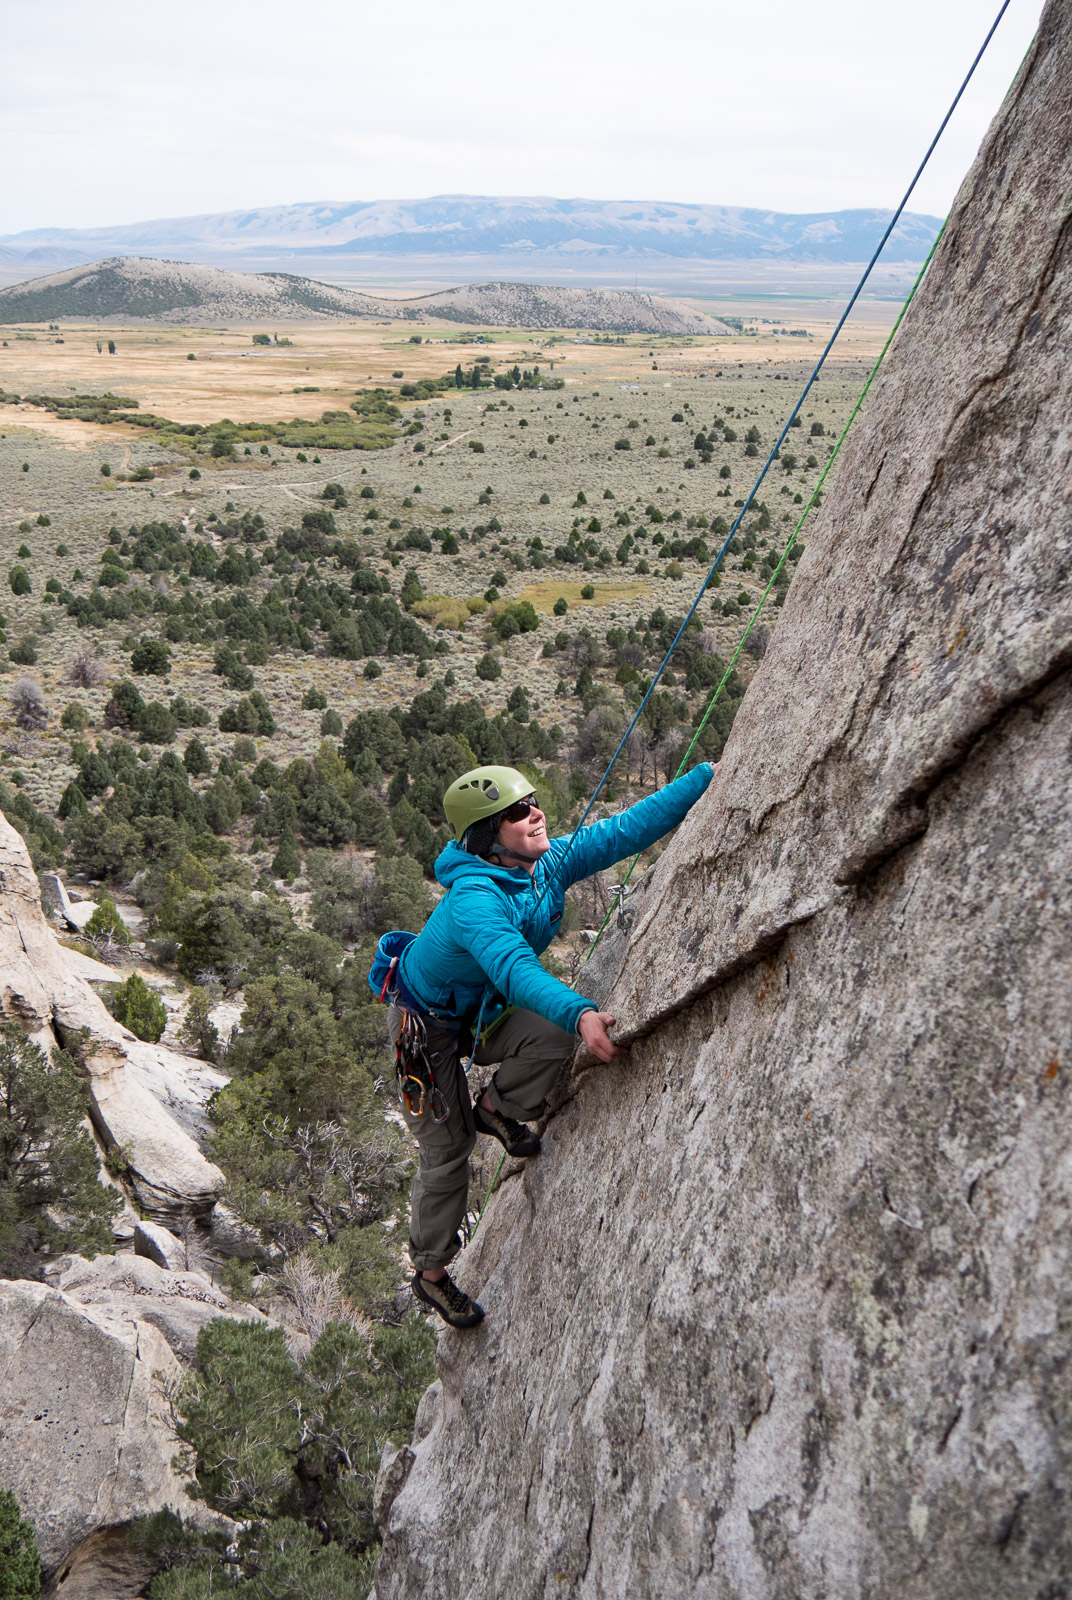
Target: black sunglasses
519	810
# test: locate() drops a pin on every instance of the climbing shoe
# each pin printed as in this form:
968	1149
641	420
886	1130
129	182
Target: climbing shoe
444	1296
515	1138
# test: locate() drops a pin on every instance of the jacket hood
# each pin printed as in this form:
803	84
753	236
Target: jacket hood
454	863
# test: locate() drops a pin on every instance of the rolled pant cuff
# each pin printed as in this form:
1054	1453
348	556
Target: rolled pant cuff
512	1108
429	1260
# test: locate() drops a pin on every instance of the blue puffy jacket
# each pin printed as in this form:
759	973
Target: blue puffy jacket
491	925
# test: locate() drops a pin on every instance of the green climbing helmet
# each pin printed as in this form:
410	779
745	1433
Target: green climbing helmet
483	793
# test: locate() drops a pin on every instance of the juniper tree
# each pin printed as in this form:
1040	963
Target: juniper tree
20	1564
136	1006
50	1196
106	924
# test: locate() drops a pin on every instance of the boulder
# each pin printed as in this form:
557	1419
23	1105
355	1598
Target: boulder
781	1310
146	1099
177	1303
85	1441
159	1245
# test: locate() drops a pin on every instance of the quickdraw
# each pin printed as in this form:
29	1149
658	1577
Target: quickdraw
417	1088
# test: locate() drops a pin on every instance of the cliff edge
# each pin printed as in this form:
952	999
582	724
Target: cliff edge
782	1310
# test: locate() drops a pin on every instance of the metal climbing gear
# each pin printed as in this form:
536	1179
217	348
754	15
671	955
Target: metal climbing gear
417	1087
620	892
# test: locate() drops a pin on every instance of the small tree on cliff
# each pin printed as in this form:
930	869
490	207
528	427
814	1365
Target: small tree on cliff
289	1449
50	1197
106	925
20	1564
138	1008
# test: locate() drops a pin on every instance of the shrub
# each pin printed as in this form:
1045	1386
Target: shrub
125	705
139	1009
106	924
187	713
290	1450
28	704
489	667
20	1563
261	338
85	668
313	700
19	581
331	725
286	863
250	715
24	654
156	724
195	759
198	1032
561	606
75	718
520	617
48	1164
411	590
588	592
150	657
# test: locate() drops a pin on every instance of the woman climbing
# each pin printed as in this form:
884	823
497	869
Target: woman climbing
475	966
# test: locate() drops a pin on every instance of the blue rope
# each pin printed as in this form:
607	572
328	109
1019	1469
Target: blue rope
895	218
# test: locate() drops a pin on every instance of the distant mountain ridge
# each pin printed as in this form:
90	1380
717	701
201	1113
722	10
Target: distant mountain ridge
446	225
134	288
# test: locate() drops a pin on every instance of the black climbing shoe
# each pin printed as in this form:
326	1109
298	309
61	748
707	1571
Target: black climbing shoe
444	1296
515	1138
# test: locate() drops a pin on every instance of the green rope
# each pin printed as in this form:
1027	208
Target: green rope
487	1197
781	563
752	621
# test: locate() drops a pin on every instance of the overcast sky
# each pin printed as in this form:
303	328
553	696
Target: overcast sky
115	112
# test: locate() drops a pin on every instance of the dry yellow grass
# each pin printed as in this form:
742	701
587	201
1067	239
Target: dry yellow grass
544	595
232	378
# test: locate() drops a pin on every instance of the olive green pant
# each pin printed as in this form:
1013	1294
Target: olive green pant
531	1053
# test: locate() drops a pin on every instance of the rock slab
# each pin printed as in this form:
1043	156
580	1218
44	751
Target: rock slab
84	1440
87	1365
781	1310
146	1099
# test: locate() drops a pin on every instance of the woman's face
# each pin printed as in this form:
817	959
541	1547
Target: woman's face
527	837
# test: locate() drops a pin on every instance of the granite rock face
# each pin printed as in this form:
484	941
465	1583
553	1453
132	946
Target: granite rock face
782	1308
146	1098
86	1444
